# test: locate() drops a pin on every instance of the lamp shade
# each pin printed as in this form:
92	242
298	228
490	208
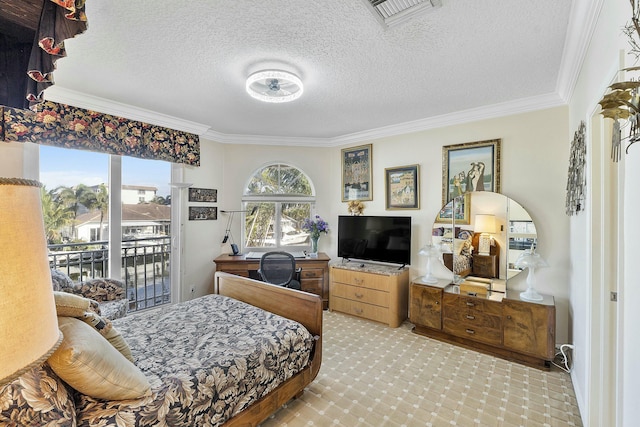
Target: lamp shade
531	260
485	223
28	324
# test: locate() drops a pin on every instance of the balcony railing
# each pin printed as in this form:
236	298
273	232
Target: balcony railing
144	261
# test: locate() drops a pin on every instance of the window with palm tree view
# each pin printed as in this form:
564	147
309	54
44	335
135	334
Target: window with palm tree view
278	198
75	201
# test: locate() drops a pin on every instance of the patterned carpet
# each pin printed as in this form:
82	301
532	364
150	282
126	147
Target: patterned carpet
373	375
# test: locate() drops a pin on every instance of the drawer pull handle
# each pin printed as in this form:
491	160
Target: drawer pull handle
471	317
358	281
437	302
470	304
357	310
357	295
470	331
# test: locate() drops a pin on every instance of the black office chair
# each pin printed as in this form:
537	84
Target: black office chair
279	268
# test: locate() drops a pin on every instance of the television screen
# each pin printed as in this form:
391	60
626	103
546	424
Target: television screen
375	238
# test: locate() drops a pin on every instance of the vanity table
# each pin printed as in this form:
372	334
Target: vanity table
496	323
475	308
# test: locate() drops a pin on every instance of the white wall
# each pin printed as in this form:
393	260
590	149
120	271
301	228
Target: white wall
535	152
201	238
607	394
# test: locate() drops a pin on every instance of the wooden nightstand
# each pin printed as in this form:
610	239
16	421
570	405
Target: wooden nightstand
485	266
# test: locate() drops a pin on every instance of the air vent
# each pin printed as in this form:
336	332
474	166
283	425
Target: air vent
394	12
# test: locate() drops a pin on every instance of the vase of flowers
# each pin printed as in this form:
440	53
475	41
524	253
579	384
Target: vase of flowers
315	227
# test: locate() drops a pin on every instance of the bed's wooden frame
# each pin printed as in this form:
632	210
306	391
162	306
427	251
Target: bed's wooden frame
302	307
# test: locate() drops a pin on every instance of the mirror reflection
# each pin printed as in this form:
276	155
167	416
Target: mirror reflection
480	235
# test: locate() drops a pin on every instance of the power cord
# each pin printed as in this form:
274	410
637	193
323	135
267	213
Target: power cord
564	358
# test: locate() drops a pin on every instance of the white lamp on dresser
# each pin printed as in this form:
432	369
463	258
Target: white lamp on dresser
531	260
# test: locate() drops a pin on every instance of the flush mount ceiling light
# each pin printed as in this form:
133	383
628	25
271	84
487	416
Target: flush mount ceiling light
274	86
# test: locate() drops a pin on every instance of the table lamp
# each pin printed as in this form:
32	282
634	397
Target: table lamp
485	224
28	324
430	251
531	260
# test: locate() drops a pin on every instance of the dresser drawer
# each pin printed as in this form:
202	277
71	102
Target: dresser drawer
356	293
365	280
473	318
311	273
472	304
360	309
312	285
472	332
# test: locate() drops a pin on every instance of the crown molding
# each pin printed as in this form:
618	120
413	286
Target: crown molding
78	99
486	112
58	94
582	24
229	138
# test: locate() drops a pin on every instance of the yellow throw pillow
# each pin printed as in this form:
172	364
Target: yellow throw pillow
90	364
108	331
70	305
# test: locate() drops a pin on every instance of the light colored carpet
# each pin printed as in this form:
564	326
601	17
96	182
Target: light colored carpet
373	375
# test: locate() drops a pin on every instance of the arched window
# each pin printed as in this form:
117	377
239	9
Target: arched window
278	198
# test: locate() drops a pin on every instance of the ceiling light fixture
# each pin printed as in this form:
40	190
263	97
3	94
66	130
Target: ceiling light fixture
274	86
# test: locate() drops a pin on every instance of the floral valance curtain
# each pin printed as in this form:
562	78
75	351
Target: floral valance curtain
70	127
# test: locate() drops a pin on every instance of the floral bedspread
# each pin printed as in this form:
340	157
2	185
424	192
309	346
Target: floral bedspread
207	359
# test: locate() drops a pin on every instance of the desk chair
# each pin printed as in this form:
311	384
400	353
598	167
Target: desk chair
279	268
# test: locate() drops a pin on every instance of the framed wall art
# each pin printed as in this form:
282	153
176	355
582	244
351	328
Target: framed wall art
457	209
202	213
402	187
472	166
203	195
356	173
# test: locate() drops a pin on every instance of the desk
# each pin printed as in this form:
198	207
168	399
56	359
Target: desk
314	275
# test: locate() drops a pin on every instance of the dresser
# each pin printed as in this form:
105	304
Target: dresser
500	324
378	293
314	274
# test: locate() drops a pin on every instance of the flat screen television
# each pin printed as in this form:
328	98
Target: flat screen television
375	238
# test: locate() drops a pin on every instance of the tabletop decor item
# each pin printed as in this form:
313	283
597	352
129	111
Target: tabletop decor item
315	227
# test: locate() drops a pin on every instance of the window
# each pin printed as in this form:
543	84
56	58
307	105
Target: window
76	211
282	196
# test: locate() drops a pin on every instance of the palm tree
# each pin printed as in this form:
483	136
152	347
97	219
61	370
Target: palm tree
56	216
159	200
74	198
98	200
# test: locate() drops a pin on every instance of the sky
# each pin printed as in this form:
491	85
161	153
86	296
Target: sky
65	167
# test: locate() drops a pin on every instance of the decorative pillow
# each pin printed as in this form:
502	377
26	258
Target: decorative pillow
90	364
108	331
37	398
459	245
114	309
71	305
101	289
60	281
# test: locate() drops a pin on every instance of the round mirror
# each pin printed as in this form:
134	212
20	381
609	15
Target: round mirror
481	234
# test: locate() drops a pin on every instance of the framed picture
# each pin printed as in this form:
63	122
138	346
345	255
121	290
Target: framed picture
203	195
202	213
402	187
356	173
457	209
473	166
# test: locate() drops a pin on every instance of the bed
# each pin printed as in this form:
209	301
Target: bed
226	359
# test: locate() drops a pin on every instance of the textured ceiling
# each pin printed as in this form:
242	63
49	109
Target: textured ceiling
188	60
